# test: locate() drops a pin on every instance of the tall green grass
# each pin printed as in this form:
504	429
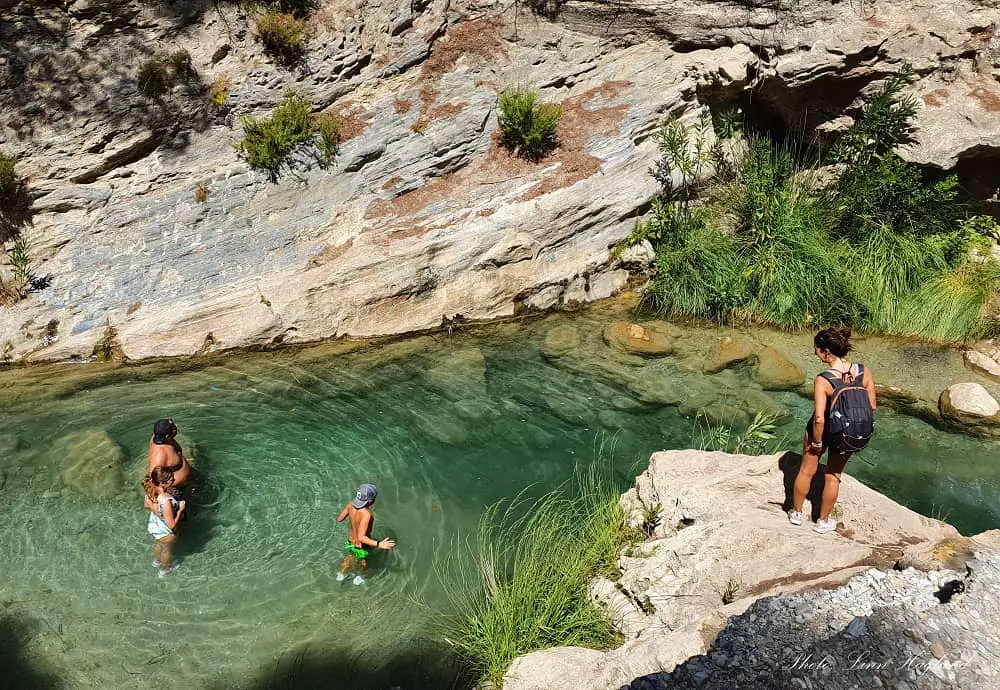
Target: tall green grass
879	247
533	562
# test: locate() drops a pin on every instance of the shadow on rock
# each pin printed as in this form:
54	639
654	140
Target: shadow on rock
789	464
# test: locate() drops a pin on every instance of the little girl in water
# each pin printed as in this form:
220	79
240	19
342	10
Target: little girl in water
164	513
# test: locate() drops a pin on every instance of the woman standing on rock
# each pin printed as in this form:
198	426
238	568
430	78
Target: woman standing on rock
843	422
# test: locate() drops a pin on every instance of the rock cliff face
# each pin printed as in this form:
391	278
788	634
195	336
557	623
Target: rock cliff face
150	224
720	542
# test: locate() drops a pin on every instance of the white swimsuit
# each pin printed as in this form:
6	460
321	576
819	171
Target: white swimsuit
156	526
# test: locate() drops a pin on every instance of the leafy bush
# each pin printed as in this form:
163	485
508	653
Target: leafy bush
885	122
527	127
180	65
327	127
283	37
20	261
267	142
533	565
15	203
756	439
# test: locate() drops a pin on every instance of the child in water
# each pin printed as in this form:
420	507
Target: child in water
359	537
164	513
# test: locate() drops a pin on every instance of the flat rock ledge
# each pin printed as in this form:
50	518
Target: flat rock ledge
699	605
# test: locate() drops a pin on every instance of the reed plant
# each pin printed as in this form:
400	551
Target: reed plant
533	562
757	438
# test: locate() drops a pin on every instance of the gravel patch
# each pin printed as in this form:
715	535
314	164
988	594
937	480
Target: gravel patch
893	629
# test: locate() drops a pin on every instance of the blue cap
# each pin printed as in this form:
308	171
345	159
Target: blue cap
366	494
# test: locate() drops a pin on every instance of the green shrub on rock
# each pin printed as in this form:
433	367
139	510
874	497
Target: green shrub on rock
8	174
527	127
15	203
161	72
327	128
268	141
283	37
153	78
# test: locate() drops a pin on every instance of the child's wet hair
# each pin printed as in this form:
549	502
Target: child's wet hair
159	477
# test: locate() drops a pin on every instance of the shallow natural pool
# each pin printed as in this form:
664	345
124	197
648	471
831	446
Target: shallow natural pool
444	425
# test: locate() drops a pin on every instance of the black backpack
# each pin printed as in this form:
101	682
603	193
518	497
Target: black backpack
850	419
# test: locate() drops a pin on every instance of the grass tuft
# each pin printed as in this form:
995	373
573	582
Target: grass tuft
534	561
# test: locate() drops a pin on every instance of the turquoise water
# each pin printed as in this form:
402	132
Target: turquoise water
444	425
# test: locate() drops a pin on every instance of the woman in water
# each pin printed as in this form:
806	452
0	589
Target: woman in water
831	346
164	513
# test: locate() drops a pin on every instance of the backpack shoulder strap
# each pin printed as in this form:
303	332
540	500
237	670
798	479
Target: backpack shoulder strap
832	377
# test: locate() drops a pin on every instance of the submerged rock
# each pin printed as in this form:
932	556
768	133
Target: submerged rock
561	341
92	463
646	340
894	395
971	407
775	372
8	444
729	353
462	374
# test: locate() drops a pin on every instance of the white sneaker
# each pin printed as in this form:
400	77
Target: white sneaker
341	577
795	517
824	526
358	580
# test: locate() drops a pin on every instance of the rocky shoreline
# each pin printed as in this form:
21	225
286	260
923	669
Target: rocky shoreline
899	629
726	593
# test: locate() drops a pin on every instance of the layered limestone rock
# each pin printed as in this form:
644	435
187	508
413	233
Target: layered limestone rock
719	542
149	225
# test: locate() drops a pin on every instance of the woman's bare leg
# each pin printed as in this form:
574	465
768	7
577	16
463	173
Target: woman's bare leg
810	462
831	482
